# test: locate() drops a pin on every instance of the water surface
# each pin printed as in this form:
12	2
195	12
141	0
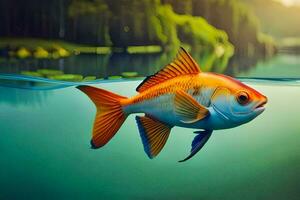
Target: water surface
102	66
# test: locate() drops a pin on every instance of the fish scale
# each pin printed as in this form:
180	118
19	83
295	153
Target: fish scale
159	102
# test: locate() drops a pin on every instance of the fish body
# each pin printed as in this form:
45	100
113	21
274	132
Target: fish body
159	100
178	95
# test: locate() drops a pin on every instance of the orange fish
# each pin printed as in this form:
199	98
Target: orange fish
178	95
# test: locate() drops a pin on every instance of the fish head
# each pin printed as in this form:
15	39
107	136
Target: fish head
237	103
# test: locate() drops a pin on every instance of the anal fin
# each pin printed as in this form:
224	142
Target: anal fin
154	134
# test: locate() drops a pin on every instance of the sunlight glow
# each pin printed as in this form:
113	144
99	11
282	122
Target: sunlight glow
290	2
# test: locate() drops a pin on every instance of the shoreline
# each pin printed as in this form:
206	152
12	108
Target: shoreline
32	44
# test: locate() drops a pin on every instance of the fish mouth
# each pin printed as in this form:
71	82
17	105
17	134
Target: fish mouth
260	105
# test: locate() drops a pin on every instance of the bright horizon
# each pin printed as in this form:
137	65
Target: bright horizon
289	2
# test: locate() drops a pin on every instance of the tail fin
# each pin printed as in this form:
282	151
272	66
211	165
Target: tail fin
109	117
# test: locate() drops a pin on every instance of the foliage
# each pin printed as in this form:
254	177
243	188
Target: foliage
276	19
67	77
30	73
241	25
89	78
90	21
207	27
23	53
209	42
26	47
57	75
49	72
40	52
129	74
144	49
32	43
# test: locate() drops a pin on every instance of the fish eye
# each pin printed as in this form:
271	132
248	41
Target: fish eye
242	98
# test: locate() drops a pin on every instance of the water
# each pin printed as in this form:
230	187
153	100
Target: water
45	129
282	65
45	151
91	65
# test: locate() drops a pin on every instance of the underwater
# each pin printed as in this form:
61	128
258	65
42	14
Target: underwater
45	150
53	147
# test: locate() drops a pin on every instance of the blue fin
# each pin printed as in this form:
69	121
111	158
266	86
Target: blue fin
154	134
198	142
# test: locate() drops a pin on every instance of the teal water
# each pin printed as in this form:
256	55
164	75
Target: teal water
280	66
45	151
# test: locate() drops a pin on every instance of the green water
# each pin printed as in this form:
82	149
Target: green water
45	151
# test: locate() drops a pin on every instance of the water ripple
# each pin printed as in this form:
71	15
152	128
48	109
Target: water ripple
38	83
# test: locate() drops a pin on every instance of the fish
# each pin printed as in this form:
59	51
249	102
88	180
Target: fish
180	94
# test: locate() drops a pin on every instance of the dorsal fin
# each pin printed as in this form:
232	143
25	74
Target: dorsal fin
183	64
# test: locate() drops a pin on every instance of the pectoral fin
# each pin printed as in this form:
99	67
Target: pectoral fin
198	142
188	108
